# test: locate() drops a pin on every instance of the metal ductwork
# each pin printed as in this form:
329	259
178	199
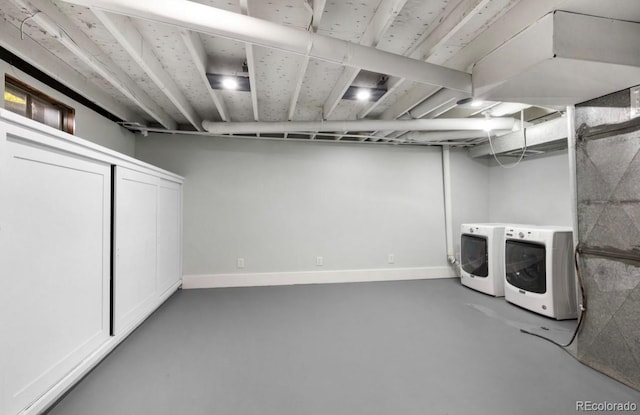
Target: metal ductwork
222	23
440	124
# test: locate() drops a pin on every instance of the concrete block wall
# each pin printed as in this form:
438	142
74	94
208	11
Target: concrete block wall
608	178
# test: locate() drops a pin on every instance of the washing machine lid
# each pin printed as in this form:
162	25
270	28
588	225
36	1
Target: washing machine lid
525	266
474	257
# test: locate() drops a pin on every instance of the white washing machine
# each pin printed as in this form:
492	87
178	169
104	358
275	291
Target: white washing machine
539	270
482	257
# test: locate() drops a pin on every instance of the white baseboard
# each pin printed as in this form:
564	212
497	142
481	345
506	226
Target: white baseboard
314	277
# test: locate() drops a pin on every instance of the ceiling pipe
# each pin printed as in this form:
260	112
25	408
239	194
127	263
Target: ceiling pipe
431	137
221	23
440	124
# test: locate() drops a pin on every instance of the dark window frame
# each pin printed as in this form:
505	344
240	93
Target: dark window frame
67	113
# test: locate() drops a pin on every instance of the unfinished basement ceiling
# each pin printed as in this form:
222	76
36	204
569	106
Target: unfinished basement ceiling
157	71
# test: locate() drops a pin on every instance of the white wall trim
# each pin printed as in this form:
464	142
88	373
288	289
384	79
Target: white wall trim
314	277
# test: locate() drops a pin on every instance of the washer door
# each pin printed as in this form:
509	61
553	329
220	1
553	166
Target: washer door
525	266
473	255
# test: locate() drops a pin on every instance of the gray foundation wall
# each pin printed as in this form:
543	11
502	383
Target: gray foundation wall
608	179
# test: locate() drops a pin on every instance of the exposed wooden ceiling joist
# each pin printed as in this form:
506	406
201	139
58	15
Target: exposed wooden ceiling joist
382	19
199	56
58	25
126	33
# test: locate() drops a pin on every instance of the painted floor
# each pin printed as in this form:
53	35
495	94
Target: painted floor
405	347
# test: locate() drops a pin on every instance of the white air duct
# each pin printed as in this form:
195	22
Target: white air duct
222	23
433	137
562	59
440	124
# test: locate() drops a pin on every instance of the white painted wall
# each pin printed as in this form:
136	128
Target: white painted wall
90	125
470	189
279	205
534	192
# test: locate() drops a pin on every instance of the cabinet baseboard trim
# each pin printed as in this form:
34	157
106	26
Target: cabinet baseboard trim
314	277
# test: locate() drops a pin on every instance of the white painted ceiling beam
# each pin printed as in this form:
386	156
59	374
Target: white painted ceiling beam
251	65
520	16
298	87
392	86
318	11
464	11
132	41
222	23
51	64
510	24
451	19
199	57
441	101
554	131
383	17
58	25
407	101
316	16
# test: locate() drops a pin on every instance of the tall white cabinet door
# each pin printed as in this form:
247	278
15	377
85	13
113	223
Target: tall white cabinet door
169	263
54	265
134	279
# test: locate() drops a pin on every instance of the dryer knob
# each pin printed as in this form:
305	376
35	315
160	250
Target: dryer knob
470	230
521	235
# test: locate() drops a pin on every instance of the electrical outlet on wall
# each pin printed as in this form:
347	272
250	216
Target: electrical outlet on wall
319	261
240	263
391	259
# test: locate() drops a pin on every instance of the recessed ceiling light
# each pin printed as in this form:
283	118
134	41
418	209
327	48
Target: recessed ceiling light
229	83
363	94
470	102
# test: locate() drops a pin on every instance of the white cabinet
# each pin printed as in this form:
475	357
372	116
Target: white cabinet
169	264
54	239
60	297
147	243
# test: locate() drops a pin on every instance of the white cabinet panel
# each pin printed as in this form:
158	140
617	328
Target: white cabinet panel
169	235
57	298
54	267
148	229
135	246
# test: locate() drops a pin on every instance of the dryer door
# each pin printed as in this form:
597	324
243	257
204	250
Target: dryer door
525	266
474	256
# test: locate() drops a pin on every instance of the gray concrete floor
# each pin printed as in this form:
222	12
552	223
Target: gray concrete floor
406	347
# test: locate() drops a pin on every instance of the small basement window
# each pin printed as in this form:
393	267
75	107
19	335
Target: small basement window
31	103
